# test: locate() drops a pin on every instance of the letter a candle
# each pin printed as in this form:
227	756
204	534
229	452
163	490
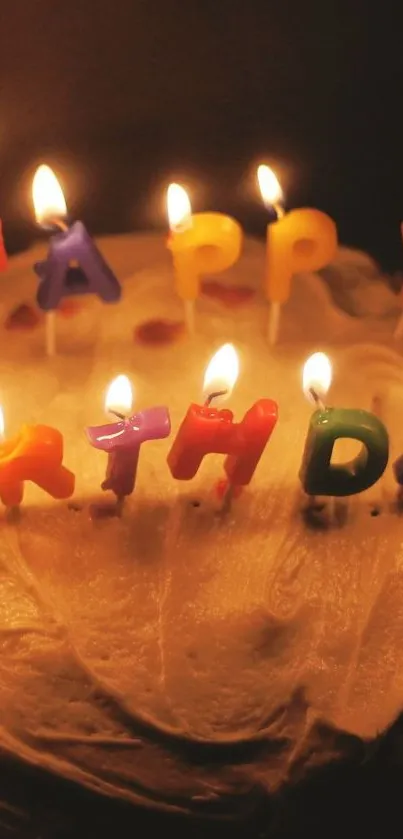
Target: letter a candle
302	240
203	243
319	476
74	264
207	429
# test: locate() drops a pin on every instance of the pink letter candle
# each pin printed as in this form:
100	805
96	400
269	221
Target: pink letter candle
206	430
122	440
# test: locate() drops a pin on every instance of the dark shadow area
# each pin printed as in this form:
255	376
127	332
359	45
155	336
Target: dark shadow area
123	100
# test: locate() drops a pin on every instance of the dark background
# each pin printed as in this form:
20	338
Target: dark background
120	97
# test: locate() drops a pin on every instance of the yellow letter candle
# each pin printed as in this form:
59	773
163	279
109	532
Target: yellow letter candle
302	240
204	243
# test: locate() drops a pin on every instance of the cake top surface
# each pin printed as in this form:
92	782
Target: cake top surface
177	657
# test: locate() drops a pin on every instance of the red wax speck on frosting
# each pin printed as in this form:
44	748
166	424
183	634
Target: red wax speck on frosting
24	317
69	307
159	332
222	486
231	296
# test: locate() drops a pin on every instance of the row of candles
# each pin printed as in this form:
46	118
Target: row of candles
37	453
200	243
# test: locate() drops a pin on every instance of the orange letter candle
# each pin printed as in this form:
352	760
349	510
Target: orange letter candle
36	455
302	240
204	243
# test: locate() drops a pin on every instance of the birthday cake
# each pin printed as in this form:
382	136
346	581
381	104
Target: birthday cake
174	662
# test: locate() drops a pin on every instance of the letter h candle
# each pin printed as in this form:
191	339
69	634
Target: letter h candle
206	429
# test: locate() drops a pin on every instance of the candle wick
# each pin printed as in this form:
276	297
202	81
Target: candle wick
279	210
214	395
58	222
316	398
118	415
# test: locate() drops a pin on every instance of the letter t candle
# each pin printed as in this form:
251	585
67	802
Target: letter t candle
122	440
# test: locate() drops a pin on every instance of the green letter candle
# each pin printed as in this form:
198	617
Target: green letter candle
318	475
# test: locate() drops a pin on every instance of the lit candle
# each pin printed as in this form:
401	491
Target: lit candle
319	476
302	240
74	264
35	454
3	254
206	429
122	440
203	243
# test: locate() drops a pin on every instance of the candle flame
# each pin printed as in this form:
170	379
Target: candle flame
2	423
270	188
119	396
317	376
222	373
179	207
47	194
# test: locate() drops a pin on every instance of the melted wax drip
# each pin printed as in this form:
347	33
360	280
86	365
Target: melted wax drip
24	317
222	486
231	296
69	307
159	332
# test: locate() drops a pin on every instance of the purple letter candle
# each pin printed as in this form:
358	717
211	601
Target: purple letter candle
91	275
74	264
122	440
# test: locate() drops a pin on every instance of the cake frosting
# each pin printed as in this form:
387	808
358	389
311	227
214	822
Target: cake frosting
178	658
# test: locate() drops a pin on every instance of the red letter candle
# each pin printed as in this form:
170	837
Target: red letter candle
206	429
36	455
3	255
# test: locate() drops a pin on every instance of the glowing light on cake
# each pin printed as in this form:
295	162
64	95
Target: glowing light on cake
179	207
270	189
221	374
119	397
317	378
47	194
